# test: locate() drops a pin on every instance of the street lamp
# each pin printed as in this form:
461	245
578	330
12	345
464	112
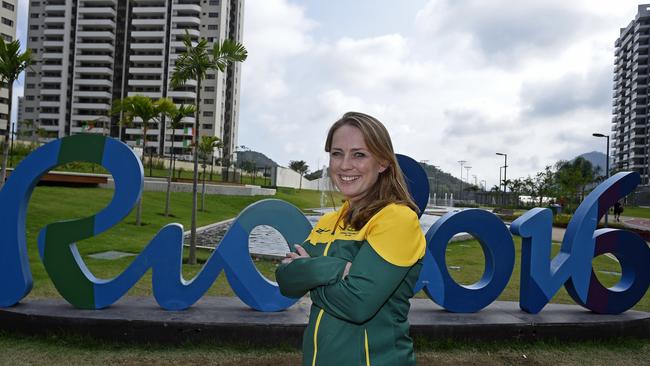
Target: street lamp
460	191
505	177
596	134
435	178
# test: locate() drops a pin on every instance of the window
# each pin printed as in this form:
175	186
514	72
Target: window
213	27
7	37
30	86
210	76
214	2
207	126
213	15
7	5
8	22
29	109
31	74
33	27
210	39
208	114
29	97
209	88
34	39
33	15
36	3
208	101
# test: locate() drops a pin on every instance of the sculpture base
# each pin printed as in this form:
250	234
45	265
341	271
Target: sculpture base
228	320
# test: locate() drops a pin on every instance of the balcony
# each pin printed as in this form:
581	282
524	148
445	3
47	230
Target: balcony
99	23
149	10
51	91
93	70
91	106
96	35
49	115
133	82
54	31
94	82
191	32
100	11
147	46
185	20
95	46
51	79
187	7
147	34
160	21
182	94
53	43
153	95
98	58
54	20
52	55
146	70
135	58
54	8
93	94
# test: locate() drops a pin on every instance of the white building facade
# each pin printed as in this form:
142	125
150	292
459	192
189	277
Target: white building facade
94	52
8	12
630	136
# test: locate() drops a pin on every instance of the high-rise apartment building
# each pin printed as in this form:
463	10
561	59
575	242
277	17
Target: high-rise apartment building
8	33
93	52
630	138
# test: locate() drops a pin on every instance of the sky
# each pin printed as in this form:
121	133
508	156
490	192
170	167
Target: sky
451	79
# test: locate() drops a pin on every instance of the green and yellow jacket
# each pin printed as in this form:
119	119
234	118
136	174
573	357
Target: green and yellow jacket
360	319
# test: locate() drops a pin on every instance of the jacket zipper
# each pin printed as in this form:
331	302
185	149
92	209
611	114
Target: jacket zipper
320	315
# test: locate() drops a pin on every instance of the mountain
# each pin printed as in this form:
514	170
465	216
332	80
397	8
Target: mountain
260	160
597	159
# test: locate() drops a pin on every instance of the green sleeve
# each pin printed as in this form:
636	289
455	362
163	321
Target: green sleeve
304	274
359	296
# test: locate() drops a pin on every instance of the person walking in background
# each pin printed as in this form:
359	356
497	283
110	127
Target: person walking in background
618	210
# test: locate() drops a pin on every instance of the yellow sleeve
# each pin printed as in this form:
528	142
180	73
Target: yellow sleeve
395	234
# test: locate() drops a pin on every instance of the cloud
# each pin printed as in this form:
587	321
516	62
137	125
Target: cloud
568	93
506	32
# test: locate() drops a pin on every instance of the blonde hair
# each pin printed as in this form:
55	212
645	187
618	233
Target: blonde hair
390	186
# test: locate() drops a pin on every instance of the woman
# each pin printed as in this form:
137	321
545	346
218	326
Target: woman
361	262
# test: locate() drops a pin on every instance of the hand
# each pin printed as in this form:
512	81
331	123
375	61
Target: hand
301	253
346	270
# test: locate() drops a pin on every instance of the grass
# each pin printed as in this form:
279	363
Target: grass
51	204
21	350
636	211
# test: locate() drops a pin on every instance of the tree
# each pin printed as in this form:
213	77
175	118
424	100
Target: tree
299	166
139	106
12	64
574	176
176	115
206	149
194	64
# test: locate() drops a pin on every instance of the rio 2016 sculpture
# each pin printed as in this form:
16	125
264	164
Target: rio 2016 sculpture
541	278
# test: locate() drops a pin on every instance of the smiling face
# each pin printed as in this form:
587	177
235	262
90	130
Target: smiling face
353	168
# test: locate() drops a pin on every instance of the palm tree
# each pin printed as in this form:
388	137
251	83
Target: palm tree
194	64
299	166
139	106
175	118
206	149
12	63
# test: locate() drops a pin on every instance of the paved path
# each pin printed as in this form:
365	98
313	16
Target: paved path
636	222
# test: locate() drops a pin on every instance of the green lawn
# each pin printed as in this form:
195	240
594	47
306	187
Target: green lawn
52	204
465	260
635	211
20	350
